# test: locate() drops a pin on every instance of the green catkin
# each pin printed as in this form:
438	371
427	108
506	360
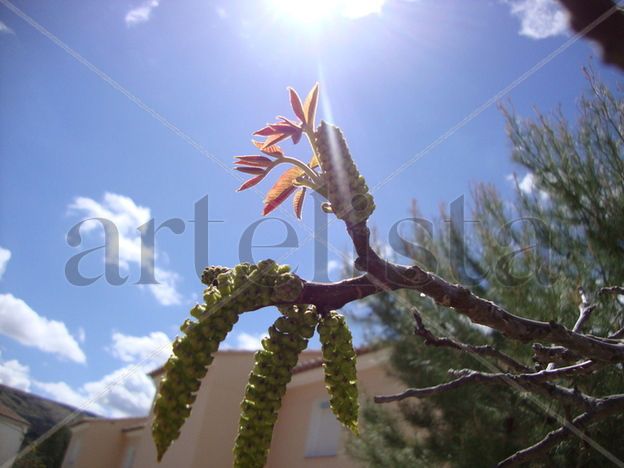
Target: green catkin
272	371
339	365
347	191
230	292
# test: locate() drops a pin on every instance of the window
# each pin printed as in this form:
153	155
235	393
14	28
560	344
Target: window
74	451
129	457
324	432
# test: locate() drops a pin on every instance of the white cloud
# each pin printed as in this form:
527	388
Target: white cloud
127	391
127	216
527	184
539	19
333	265
124	392
142	13
15	374
5	256
151	350
20	322
165	292
249	342
81	335
4	29
62	392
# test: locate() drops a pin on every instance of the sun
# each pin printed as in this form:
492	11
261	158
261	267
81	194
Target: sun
318	11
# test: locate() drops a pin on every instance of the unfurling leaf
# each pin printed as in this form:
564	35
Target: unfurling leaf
277	201
296	105
281	190
259	161
271	140
309	106
298	202
251	182
250	170
265	131
272	150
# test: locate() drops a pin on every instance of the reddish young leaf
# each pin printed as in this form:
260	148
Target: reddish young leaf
250	170
251	182
298	201
259	161
296	138
285	128
268	207
265	131
309	106
271	140
273	150
284	184
296	105
287	121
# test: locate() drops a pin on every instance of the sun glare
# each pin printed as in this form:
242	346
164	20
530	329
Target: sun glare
316	11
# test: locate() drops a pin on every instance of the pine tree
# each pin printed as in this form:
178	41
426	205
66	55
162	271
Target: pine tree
546	256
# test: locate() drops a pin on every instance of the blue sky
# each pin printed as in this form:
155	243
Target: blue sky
395	75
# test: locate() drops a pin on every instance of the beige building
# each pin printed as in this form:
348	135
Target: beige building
306	434
12	430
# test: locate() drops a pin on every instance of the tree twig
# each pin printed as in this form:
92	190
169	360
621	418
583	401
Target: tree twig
585	311
482	350
602	409
619	290
534	383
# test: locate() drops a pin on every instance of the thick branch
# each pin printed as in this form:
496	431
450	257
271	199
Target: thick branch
390	276
601	21
602	409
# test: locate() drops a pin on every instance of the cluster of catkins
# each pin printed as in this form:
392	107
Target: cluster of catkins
272	371
339	364
345	188
229	293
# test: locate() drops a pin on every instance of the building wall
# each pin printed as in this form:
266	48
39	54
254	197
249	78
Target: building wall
11	437
208	436
295	423
98	443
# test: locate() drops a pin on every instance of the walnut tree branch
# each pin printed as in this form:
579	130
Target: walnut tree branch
585	17
585	311
385	275
534	383
603	408
483	350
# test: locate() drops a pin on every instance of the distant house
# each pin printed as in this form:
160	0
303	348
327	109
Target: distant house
306	434
12	430
40	415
